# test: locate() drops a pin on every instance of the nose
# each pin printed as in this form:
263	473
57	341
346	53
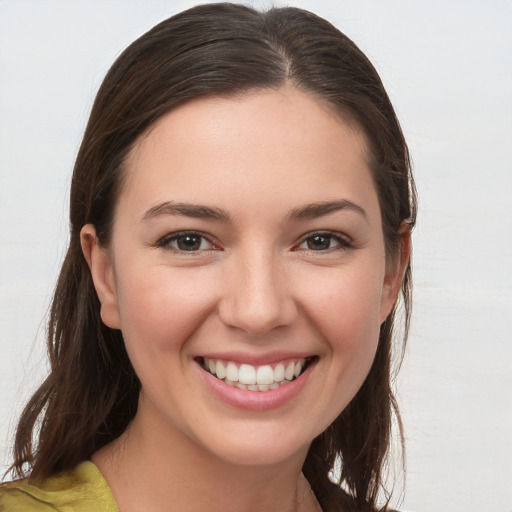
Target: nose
257	296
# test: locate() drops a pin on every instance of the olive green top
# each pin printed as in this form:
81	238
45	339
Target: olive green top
82	489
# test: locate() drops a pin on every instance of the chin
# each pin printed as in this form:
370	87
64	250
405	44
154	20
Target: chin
260	452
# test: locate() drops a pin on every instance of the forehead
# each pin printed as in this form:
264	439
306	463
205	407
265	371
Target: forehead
284	142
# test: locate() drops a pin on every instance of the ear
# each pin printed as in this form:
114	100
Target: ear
102	272
395	272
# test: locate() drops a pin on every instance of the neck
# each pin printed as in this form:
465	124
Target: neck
158	469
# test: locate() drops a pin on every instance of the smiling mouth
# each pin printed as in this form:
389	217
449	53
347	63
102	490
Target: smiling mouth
256	378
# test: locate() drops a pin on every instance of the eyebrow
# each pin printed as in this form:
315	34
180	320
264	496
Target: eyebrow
314	210
310	211
187	210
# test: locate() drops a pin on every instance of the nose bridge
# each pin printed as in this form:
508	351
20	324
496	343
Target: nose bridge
257	298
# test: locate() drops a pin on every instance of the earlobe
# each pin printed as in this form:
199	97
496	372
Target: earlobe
100	264
395	272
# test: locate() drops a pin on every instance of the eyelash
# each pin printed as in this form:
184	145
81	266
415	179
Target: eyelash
165	242
342	243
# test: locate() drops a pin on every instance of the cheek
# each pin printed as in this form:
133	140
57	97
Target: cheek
160	309
345	309
346	306
353	335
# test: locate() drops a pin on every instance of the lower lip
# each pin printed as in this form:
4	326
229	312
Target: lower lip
256	400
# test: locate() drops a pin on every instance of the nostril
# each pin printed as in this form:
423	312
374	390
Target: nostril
256	298
257	318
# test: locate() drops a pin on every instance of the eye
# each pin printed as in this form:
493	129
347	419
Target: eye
319	242
186	241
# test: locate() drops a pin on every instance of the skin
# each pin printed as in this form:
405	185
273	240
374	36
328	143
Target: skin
255	286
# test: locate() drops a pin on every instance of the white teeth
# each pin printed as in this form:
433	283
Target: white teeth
279	372
290	371
246	374
232	372
220	370
265	375
254	378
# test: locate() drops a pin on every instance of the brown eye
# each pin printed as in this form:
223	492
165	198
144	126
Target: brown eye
319	242
189	242
185	242
323	242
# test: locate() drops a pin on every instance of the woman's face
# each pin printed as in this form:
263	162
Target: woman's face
247	252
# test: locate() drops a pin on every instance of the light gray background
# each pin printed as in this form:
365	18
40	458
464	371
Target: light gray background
447	66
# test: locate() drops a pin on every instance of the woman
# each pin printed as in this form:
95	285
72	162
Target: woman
221	332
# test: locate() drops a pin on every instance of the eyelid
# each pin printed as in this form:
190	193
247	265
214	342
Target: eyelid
164	241
344	241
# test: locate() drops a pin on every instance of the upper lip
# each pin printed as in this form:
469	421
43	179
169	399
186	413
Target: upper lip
257	359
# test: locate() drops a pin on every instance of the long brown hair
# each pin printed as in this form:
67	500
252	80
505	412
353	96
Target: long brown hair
91	393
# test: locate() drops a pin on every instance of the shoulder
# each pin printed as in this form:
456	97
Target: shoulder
82	489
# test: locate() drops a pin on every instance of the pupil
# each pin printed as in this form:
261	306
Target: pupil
319	242
189	243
